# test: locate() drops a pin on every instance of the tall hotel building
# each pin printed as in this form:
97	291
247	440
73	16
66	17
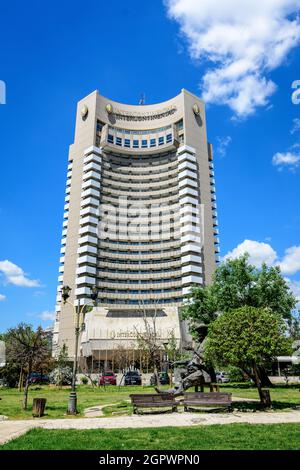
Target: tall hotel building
140	220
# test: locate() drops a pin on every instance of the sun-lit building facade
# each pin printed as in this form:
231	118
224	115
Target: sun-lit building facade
140	220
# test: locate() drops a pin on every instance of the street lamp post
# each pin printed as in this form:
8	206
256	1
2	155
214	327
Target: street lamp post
78	311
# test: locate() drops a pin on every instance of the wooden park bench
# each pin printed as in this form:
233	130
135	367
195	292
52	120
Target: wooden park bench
212	400
146	400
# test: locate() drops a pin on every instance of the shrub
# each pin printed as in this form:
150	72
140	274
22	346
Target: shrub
84	380
235	374
61	376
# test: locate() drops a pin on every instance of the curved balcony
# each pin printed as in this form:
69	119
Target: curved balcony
176	274
139	286
141	257
142	247
141	297
172	264
146	178
138	185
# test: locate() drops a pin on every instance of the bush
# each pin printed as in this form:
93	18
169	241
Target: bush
61	376
84	380
9	375
235	374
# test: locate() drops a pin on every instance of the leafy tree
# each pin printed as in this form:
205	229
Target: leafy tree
200	308
233	283
247	337
236	284
62	363
27	348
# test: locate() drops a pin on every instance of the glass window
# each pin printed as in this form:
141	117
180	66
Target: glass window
135	144
152	142
110	138
118	141
179	124
169	137
126	143
161	141
144	143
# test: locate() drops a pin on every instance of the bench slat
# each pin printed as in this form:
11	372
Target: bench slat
207	399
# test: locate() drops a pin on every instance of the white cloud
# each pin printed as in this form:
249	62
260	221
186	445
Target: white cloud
290	263
295	288
15	275
241	41
296	126
2	297
222	144
287	160
260	252
46	315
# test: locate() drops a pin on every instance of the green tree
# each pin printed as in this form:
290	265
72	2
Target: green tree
236	284
200	308
62	363
28	348
247	337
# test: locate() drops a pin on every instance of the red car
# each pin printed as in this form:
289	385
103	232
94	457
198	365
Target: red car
108	378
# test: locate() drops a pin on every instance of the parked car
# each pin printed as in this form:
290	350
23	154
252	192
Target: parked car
108	378
222	377
38	378
163	378
133	377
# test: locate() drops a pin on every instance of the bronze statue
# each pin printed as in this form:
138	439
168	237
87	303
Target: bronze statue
196	373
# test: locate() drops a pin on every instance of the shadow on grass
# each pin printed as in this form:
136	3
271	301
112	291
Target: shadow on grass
247	406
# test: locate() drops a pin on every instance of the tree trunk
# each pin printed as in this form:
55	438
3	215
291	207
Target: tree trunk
20	384
212	374
264	379
25	399
264	395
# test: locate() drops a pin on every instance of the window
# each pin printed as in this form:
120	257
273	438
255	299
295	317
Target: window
99	126
144	143
110	138
179	125
169	138
126	143
161	141
136	144
152	142
118	141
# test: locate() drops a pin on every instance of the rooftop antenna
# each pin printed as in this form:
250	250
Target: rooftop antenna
142	100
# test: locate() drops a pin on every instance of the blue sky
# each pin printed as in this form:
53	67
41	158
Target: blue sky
53	54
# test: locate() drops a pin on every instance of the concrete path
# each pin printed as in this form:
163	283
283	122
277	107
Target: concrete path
12	429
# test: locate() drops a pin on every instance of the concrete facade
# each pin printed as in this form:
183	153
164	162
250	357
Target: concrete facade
140	220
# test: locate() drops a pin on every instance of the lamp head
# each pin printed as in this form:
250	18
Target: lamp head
94	294
65	293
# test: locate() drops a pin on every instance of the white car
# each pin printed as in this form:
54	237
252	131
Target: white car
222	377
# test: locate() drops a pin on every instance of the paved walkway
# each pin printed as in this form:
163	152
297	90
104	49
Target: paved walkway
12	429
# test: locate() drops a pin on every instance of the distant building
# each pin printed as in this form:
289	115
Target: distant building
140	220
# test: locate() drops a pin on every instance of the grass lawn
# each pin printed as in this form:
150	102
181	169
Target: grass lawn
10	404
57	399
215	437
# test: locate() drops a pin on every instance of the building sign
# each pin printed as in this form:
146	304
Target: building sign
127	116
133	334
